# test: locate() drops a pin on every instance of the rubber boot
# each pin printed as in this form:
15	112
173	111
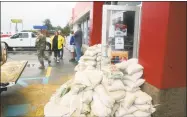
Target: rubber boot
42	66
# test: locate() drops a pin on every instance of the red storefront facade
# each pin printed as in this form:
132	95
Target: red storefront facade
162	39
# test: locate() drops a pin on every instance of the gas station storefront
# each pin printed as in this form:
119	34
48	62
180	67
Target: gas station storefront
153	32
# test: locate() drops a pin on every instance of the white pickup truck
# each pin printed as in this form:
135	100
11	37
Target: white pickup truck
23	40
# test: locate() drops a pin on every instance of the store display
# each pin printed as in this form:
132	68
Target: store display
95	92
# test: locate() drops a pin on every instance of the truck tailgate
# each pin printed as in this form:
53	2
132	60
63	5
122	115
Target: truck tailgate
12	70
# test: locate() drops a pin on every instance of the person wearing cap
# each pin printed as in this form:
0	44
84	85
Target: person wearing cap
63	44
56	45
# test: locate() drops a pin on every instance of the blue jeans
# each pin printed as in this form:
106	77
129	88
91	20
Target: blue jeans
78	52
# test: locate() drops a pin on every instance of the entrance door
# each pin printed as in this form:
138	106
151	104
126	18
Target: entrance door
120	32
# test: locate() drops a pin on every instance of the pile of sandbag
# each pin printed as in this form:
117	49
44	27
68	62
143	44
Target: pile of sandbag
92	59
112	91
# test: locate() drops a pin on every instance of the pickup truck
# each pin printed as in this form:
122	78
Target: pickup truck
23	40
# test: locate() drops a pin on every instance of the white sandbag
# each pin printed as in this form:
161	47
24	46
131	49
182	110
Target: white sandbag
141	114
133	68
81	78
98	58
113	85
131	89
85	108
90	63
123	65
85	58
139	82
129	115
104	97
87	96
90	52
90	68
128	100
98	108
144	107
124	112
75	89
94	76
117	95
65	100
133	77
52	109
142	98
132	84
114	109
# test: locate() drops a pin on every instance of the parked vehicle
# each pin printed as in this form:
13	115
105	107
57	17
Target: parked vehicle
23	40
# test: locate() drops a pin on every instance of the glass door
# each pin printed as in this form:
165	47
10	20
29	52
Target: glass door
120	32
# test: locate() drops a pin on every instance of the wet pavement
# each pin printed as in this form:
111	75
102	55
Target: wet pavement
35	86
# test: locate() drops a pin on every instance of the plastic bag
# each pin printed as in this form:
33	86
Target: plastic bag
128	100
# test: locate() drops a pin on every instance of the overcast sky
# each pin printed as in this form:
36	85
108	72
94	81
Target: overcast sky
34	13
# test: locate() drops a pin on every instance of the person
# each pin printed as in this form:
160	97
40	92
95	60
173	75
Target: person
56	45
72	43
40	46
63	44
78	43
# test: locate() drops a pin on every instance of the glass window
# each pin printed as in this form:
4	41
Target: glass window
15	36
34	35
24	35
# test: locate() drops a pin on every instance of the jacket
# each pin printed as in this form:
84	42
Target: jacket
72	40
61	41
40	42
78	38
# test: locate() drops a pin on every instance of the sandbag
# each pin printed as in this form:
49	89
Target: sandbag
142	98
131	89
117	95
85	58
128	100
81	78
113	85
90	68
94	76
90	63
122	112
75	89
141	114
114	109
98	58
132	84
133	68
87	96
90	52
52	109
85	108
98	108
129	115
133	77
144	107
104	97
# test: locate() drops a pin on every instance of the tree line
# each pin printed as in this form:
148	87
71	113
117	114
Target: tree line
65	30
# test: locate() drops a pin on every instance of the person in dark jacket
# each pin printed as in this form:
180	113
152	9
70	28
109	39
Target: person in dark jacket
78	43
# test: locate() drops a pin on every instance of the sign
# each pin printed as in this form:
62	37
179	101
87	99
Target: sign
40	27
119	43
16	20
119	56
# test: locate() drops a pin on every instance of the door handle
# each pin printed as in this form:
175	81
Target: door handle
21	39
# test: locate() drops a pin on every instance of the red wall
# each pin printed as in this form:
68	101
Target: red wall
156	43
175	58
96	29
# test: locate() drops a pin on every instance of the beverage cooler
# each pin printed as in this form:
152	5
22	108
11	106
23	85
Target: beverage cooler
120	32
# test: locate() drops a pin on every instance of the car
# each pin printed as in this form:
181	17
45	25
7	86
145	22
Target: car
3	53
23	40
